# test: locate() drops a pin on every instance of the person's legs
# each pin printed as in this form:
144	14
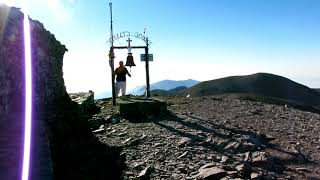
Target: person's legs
117	86
123	88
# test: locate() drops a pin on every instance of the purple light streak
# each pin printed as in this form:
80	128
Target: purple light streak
28	96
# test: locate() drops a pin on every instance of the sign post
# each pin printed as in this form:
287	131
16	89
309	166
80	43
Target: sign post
147	69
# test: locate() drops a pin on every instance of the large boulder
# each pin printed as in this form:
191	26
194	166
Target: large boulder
137	109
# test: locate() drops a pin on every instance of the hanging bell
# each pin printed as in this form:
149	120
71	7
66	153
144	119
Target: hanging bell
130	60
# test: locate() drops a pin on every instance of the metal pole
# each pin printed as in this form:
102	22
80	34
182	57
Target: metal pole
147	68
112	60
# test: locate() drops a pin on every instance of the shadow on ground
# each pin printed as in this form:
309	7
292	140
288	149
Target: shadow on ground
76	152
189	124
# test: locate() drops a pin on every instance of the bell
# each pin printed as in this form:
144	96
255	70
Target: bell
130	60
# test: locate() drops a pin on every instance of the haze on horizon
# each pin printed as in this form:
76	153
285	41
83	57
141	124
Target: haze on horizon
201	40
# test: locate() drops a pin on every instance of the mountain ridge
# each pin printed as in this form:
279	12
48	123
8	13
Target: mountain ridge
164	85
261	84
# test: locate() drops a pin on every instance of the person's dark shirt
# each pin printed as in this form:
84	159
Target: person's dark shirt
121	74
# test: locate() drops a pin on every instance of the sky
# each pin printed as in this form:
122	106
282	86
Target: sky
194	39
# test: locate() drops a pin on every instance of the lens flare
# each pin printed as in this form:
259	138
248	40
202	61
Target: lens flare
28	98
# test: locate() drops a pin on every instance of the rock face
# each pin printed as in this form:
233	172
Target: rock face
74	151
47	56
85	102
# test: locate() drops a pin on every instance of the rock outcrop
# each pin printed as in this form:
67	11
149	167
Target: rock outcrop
74	151
140	109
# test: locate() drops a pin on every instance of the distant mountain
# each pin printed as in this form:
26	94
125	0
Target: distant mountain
177	89
100	95
171	92
260	84
165	85
317	90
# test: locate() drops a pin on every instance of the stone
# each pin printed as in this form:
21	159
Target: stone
244	170
85	101
232	174
137	166
224	159
210	173
145	173
255	176
260	160
99	131
247	157
312	178
183	154
232	146
164	176
248	146
184	141
115	119
122	134
301	169
208	165
129	173
182	168
134	142
96	122
227	167
127	140
176	176
157	144
113	131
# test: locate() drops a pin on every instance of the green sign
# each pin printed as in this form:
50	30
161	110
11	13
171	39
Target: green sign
143	57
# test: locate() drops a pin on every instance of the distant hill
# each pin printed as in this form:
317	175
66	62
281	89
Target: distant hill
317	90
260	84
171	92
165	85
100	95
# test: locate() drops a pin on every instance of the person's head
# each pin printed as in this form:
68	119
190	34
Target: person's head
121	63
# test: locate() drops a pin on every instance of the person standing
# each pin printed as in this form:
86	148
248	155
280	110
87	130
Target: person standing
121	73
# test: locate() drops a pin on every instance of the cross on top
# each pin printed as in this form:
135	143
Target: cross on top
129	47
129	40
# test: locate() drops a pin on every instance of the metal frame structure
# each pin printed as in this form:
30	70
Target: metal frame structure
111	61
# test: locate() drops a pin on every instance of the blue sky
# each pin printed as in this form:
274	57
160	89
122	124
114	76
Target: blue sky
201	40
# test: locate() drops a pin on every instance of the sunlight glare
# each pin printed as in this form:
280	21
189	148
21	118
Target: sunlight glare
28	96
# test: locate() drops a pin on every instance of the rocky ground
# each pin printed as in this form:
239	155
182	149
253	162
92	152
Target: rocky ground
215	138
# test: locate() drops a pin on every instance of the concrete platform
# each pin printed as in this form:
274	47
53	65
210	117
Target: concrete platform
139	109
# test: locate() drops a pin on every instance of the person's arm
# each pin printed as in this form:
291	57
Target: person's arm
128	73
